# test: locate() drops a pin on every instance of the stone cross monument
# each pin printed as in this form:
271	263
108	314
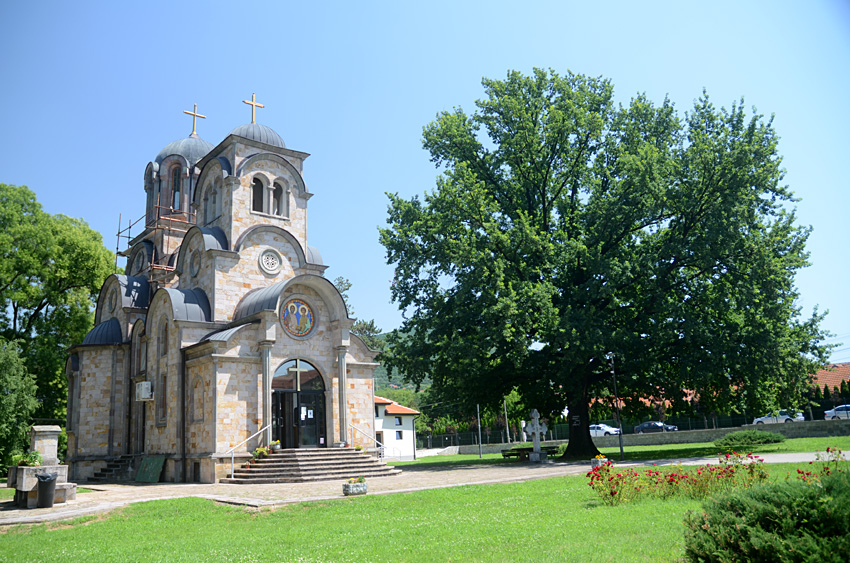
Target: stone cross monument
536	430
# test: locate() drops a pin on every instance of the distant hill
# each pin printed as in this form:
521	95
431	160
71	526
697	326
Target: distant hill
383	380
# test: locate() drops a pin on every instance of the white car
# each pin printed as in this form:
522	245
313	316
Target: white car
841	411
603	430
783	416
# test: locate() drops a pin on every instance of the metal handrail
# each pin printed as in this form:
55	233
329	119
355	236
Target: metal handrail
233	449
381	447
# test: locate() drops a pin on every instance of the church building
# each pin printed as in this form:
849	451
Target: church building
223	332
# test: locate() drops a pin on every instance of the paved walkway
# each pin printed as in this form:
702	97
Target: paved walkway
109	497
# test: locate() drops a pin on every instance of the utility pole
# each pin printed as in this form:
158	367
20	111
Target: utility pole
478	412
507	424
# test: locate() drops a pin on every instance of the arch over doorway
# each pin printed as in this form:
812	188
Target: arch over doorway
298	406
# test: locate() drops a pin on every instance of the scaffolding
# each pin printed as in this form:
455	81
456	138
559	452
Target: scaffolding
164	221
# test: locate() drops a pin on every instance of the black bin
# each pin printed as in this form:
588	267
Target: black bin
46	490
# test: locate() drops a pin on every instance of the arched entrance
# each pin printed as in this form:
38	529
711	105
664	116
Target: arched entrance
298	406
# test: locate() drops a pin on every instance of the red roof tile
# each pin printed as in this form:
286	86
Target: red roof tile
393	407
833	375
396	408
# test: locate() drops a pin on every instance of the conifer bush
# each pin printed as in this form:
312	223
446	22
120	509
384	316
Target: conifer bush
748	438
789	521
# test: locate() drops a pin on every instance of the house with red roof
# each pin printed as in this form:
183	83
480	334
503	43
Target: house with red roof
832	376
395	429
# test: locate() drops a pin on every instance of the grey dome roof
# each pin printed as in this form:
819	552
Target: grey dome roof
192	148
107	332
261	133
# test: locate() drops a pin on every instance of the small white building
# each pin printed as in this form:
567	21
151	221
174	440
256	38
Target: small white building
395	429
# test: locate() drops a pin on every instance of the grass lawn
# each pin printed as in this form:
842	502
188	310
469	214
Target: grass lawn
556	519
547	520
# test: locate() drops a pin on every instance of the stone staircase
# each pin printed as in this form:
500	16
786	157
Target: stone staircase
116	470
299	466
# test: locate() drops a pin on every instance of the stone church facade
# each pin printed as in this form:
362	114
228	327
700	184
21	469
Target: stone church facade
223	328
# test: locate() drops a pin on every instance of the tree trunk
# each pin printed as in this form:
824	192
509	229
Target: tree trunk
580	446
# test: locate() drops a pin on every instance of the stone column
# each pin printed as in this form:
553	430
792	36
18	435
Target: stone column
45	440
343	403
265	350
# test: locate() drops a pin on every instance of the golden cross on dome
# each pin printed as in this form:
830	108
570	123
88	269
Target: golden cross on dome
195	115
254	105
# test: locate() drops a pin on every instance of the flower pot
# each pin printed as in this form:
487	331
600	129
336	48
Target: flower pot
597	462
275	446
349	489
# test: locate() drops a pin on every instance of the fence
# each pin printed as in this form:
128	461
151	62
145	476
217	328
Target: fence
562	431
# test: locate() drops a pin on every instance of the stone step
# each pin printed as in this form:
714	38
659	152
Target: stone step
239	478
245	471
298	466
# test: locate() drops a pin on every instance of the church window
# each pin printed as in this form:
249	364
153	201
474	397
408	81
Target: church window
175	188
308	377
206	209
277	200
163	339
159	396
257	195
270	261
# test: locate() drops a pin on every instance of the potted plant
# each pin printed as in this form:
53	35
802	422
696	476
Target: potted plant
261	452
32	459
355	486
598	461
275	445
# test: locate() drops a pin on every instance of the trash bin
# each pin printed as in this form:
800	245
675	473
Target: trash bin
46	490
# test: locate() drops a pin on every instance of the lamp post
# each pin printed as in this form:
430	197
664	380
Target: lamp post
619	417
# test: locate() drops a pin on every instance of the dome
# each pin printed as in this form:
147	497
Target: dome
192	148
261	133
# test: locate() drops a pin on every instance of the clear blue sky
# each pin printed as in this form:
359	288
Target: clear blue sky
92	91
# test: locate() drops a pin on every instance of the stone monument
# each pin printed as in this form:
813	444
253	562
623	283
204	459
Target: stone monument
23	478
536	429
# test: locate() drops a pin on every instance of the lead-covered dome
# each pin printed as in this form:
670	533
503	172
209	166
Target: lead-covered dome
261	133
192	148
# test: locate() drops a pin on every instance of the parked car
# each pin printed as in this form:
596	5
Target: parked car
782	416
654	426
841	411
603	430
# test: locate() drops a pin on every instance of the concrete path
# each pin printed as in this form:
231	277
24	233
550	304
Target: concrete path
109	497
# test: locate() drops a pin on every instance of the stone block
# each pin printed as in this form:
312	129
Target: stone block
26	480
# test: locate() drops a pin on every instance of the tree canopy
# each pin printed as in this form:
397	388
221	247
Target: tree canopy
51	270
567	233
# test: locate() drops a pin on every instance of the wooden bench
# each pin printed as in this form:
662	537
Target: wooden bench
510	453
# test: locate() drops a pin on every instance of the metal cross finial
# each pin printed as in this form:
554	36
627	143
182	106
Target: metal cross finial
254	105
195	115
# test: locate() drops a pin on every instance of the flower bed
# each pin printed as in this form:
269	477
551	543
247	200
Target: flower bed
615	486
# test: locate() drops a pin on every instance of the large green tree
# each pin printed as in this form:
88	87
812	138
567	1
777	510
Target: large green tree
51	270
568	234
17	401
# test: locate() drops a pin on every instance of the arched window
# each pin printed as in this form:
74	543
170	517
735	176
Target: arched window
163	338
257	195
175	188
297	375
277	200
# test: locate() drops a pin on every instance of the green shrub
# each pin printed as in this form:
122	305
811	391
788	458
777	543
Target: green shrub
782	522
748	438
